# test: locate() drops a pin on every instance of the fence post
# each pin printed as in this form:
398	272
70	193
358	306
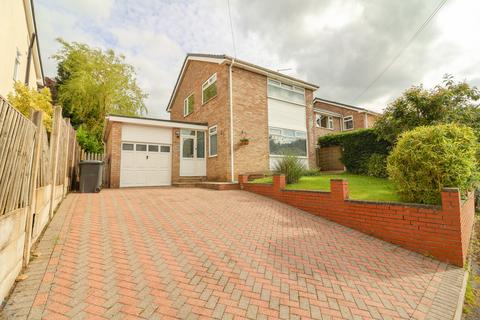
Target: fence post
37	119
74	158
54	142
65	178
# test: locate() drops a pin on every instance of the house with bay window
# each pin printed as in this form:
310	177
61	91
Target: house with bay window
227	117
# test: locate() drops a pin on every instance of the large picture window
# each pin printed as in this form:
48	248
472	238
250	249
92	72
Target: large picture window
286	92
212	137
209	89
287	142
188	105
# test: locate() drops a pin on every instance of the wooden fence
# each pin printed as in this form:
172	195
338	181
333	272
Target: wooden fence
36	173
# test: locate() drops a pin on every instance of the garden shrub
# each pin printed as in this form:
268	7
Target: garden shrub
429	158
358	146
377	165
292	167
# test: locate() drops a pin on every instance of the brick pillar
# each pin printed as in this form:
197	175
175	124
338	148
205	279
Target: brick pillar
339	189
242	179
451	200
451	206
279	182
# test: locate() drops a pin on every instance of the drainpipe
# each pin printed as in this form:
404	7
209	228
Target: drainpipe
29	58
232	166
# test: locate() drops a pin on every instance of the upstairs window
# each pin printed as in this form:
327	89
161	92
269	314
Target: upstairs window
209	89
324	121
348	123
286	92
188	105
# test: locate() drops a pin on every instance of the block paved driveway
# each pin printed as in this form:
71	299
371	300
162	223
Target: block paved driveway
165	253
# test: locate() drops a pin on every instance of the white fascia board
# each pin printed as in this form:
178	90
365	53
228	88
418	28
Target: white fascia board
275	76
329	113
157	123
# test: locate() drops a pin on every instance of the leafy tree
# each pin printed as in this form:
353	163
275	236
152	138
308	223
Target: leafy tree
25	99
92	83
451	102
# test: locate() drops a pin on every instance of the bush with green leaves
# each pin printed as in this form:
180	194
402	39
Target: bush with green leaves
429	158
291	166
377	165
358	146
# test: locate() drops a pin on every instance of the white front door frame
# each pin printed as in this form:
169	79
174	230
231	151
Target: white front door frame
194	163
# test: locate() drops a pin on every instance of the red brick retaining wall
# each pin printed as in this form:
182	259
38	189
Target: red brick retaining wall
442	232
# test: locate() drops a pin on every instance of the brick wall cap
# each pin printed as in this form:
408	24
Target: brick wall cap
279	175
399	204
309	191
259	183
450	190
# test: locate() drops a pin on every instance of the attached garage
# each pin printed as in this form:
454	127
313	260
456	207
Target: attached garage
140	151
146	156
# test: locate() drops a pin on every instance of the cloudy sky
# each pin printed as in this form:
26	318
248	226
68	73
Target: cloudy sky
341	45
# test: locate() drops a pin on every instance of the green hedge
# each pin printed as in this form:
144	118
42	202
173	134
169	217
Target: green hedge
358	146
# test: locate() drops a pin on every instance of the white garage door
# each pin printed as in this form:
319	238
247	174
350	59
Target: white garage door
145	164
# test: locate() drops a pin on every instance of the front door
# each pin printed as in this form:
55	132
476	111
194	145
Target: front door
192	153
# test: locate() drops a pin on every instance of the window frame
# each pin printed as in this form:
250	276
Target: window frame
210	81
210	134
285	86
329	121
346	119
185	105
295	136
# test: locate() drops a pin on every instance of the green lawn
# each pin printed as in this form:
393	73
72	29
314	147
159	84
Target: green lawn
360	187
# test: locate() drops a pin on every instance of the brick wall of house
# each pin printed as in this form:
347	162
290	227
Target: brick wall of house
311	138
214	112
442	232
113	153
250	121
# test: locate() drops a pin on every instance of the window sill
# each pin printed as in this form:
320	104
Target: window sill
214	156
282	156
331	129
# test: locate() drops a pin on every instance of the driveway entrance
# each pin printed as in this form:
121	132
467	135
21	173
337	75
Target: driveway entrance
170	253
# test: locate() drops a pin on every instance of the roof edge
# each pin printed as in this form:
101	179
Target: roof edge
344	105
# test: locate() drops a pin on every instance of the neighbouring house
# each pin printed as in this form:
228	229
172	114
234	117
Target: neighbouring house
331	117
19	52
227	116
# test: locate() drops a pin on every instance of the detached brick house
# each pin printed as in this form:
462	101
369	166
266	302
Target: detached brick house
227	117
